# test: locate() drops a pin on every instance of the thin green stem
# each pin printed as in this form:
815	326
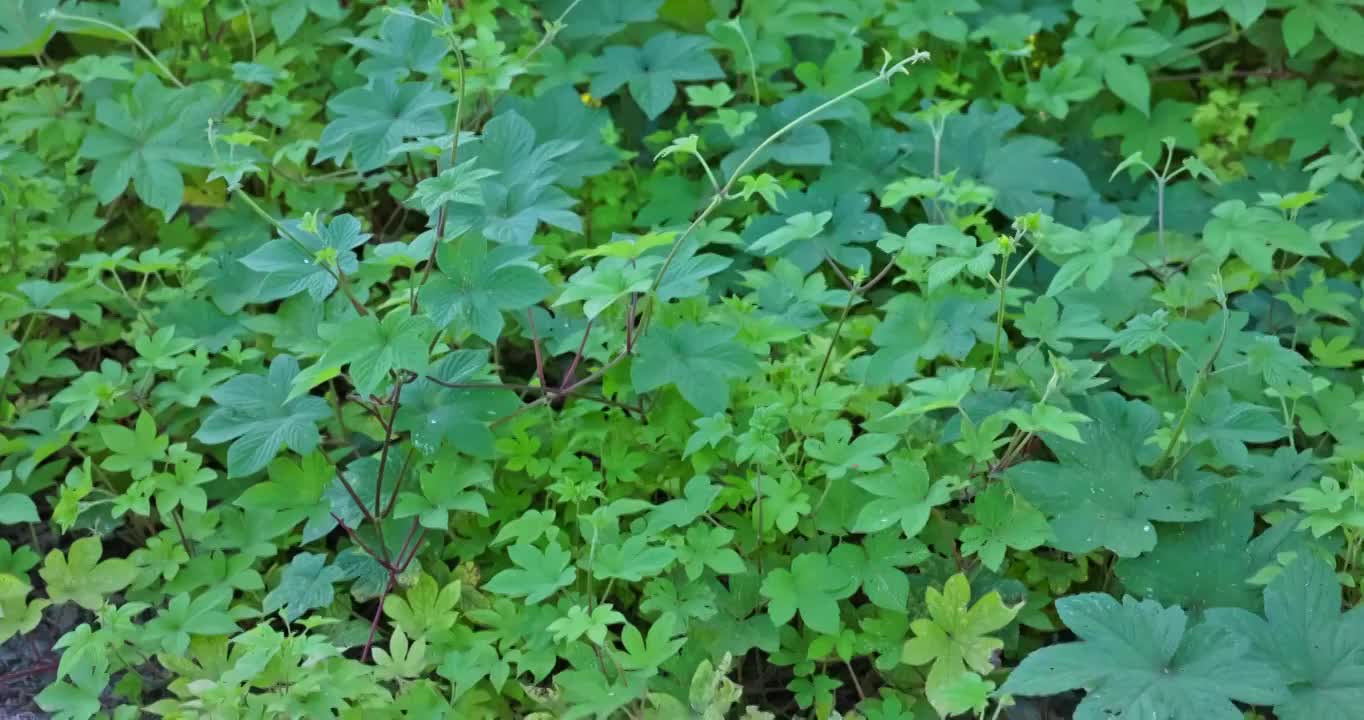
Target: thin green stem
999	318
752	60
885	74
59	15
838	331
340	277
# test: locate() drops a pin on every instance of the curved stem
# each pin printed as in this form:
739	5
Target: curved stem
59	15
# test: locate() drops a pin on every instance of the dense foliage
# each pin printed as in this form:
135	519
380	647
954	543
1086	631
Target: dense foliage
882	359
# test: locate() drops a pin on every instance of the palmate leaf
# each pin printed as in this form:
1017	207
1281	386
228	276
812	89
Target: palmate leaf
561	116
299	260
1001	521
371	348
916	329
511	204
956	637
145	138
1137	660
405	45
807	144
536	574
1227	426
436	415
1025	170
1338	20
475	286
904	496
809	587
254	412
651	71
1210	563
1317	651
371	121
23	28
846	226
598	18
287	16
699	360
1244	12
306	585
1096	495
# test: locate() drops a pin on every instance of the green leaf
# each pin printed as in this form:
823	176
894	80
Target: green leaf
1060	85
1045	321
1096	495
1211	563
904	497
1138	658
254	412
1024	170
442	495
15	508
598	18
287	16
939	18
528	163
1255	234
1128	81
841	454
537	575
307	259
1245	12
956	636
135	450
202	615
78	576
709	547
650	71
24	27
1228	426
697	497
1002	520
698	360
437	415
370	122
825	220
371	348
876	563
306	585
1317	651
462	183
809	587
144	139
475	286
405	45
632	560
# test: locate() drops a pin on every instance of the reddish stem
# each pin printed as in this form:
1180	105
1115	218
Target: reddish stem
577	357
356	539
539	357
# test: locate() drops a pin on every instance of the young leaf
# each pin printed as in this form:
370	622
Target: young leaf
78	576
955	637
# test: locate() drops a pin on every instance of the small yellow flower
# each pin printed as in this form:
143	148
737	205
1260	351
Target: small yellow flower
589	101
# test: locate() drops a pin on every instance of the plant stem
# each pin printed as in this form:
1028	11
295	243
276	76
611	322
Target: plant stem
999	317
59	15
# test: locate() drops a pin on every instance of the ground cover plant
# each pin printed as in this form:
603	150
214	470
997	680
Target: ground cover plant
682	359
